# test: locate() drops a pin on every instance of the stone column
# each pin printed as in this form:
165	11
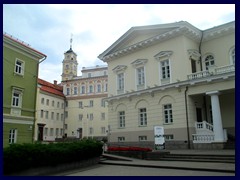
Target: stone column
217	119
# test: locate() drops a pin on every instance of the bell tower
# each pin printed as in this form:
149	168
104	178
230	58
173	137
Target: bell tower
70	64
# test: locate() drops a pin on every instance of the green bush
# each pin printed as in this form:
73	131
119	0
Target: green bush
18	157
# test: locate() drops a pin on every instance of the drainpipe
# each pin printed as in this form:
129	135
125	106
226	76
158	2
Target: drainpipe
199	49
187	117
35	105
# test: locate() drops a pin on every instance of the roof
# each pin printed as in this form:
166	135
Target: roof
22	43
152	34
50	88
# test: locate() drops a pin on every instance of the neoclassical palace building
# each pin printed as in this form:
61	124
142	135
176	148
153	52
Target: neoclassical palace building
86	114
171	75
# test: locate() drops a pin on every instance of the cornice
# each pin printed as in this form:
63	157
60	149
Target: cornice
194	82
184	30
219	31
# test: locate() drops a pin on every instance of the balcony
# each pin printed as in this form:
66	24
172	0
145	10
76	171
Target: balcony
212	71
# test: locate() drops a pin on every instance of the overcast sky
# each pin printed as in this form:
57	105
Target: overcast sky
48	28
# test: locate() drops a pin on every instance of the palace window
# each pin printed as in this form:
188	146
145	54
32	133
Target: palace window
47	102
140	76
121	139
83	89
121	116
120	83
90	89
52	115
80	104
142	138
142	117
99	88
209	61
42	101
91	116
75	90
12	136
68	91
168	118
165	69
91	103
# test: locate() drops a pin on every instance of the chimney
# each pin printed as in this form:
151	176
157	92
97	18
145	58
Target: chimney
55	82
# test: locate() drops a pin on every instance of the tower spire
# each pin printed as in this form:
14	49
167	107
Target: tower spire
71	41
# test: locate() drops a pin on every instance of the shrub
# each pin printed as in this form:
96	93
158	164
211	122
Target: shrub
18	157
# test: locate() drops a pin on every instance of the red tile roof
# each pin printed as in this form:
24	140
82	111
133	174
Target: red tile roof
50	88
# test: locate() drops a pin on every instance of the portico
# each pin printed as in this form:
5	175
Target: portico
216	116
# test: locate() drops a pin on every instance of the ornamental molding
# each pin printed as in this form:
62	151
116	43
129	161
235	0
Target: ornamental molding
183	30
119	68
139	62
193	54
163	54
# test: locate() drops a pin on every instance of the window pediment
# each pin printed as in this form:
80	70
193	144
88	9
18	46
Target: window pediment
193	54
119	68
163	54
139	62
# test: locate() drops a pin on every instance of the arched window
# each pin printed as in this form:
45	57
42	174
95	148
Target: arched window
209	61
99	88
90	89
83	89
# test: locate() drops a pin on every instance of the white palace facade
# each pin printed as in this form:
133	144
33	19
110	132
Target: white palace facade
171	75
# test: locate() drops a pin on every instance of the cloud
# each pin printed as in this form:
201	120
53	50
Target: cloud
48	27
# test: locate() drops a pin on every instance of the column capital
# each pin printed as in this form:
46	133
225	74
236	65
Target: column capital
212	93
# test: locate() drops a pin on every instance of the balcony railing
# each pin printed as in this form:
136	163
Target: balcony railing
214	71
204	126
198	75
203	138
225	69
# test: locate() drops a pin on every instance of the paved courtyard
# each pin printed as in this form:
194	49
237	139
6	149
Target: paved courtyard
115	170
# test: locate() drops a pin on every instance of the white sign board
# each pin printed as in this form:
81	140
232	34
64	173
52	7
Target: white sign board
158	136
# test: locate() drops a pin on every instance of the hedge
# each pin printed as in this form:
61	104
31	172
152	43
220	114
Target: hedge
18	157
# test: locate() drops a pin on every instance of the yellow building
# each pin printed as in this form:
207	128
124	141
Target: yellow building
86	113
175	76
